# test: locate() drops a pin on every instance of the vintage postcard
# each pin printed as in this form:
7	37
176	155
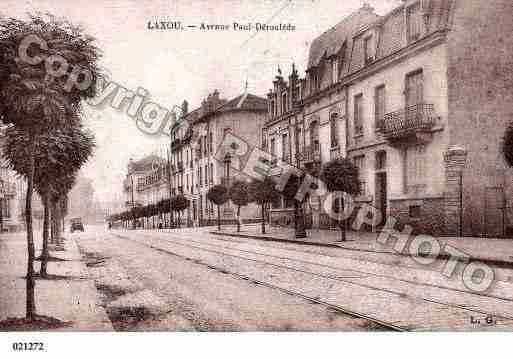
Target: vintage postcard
255	166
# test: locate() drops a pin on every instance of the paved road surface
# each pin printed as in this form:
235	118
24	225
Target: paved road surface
190	280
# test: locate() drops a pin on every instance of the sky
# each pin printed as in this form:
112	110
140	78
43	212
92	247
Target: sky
184	65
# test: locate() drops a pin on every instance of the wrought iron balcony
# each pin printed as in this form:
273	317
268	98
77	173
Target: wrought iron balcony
310	154
410	123
227	181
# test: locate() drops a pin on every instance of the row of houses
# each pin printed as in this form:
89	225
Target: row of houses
189	167
418	98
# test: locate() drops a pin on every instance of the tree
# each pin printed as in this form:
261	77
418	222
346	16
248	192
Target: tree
218	195
239	195
507	145
179	203
341	175
58	156
35	100
263	193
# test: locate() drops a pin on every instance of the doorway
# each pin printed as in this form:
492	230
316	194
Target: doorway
381	196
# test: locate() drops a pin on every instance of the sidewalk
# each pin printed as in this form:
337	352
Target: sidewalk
72	298
497	252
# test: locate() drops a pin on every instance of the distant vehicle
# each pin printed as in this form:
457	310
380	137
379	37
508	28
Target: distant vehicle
76	225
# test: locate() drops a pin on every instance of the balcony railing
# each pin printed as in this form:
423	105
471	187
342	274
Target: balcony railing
310	154
334	153
226	181
410	121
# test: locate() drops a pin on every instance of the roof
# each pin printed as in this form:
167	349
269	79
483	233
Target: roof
391	28
246	101
243	102
146	163
331	41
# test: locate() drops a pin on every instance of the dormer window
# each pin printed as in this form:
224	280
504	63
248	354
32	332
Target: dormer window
414	22
368	48
334	70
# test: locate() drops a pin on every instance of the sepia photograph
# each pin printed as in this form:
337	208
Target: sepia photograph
254	171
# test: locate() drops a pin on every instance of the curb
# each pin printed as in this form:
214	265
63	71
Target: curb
490	261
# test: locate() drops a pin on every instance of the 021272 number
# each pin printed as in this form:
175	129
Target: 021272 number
24	346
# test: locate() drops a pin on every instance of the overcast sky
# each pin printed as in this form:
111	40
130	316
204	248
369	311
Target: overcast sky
178	65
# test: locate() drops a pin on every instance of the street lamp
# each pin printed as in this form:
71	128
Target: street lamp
133	203
299	218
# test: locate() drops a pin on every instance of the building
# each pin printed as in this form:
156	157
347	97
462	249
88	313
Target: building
146	182
12	195
193	146
419	99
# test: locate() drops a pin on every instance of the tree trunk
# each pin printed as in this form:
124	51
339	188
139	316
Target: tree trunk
263	218
299	220
342	221
30	298
219	218
46	227
238	218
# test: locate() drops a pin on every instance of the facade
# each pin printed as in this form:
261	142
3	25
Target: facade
419	99
193	146
12	195
146	182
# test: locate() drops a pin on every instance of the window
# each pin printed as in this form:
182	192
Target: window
359	162
334	130
379	106
6	208
358	114
368	49
200	176
414	211
381	160
299	139
414	88
206	175
314	81
211	173
284	102
273	108
205	146
273	147
284	147
415	167
334	70
414	23
187	183
210	142
314	136
200	147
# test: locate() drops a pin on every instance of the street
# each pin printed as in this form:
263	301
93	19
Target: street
191	280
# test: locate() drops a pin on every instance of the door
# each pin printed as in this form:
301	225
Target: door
381	196
414	89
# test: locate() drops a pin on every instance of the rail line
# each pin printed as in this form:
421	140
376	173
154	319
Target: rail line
179	242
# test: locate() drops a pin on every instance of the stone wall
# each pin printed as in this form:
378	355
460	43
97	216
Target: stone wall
431	219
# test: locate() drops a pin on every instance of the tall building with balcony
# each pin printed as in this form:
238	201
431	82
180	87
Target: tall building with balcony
419	99
146	182
194	145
